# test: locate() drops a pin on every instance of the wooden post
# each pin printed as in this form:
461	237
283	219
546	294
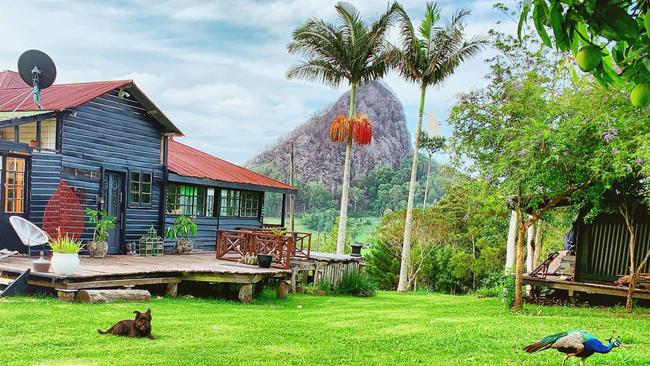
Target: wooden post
66	295
293	279
283	289
512	240
172	289
292	197
246	293
283	211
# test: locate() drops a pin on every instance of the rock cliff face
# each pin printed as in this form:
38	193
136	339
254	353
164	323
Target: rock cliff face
318	159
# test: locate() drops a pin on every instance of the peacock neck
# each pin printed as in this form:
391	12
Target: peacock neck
601	348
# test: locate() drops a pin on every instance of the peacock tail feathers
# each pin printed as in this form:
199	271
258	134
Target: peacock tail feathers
554	337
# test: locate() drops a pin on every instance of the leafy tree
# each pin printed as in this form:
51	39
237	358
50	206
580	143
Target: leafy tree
431	145
350	50
534	136
609	39
428	56
625	189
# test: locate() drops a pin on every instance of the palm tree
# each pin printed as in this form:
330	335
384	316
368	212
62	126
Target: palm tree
431	145
348	50
427	58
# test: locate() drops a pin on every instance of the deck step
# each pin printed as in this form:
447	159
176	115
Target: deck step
4	281
17	286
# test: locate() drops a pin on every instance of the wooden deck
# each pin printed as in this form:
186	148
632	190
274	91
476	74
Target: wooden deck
562	283
128	271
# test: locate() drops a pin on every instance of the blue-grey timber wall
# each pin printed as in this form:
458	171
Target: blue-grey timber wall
206	236
116	134
44	179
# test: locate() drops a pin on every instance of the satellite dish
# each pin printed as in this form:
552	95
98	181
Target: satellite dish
36	67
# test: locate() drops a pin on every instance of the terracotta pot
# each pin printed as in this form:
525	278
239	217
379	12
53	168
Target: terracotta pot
97	249
65	264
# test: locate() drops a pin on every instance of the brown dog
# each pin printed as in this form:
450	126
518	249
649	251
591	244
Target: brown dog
140	327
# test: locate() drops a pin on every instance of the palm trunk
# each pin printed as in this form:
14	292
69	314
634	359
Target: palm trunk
343	215
426	185
406	247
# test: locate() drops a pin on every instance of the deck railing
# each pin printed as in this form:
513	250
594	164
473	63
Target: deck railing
235	244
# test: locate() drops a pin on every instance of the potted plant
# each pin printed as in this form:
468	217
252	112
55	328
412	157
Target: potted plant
183	227
264	260
98	247
65	253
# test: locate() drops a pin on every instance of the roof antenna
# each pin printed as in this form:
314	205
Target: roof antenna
38	71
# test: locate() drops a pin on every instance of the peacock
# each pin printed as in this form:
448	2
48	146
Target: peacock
576	343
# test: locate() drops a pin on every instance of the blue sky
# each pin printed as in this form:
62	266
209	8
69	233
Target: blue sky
216	68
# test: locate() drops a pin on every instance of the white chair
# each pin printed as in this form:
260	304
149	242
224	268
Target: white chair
30	235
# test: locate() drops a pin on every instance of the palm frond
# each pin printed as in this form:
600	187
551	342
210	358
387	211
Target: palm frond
317	70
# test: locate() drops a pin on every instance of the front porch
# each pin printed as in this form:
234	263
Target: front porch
125	271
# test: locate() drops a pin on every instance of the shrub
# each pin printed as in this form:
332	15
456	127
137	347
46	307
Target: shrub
508	293
356	284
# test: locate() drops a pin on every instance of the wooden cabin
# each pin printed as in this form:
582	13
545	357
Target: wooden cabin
601	257
109	141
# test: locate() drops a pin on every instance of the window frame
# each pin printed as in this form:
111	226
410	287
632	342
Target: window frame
139	203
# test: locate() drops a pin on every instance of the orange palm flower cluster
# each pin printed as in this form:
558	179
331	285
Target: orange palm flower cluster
357	128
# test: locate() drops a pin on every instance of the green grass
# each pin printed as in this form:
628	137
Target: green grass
388	329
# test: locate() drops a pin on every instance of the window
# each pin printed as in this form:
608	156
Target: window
14	185
140	188
249	204
209	202
200	201
28	134
189	200
229	202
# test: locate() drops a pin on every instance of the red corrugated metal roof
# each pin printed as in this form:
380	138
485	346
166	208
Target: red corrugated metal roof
190	162
11	79
57	97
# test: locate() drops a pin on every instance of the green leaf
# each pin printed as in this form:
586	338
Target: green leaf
558	27
539	15
523	17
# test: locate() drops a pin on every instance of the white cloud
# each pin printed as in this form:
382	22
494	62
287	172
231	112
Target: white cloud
217	69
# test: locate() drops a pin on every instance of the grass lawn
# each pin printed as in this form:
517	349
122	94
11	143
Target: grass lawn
389	329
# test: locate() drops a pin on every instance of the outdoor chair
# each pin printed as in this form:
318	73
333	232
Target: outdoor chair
30	235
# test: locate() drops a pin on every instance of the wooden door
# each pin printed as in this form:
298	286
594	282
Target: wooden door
114	206
13	197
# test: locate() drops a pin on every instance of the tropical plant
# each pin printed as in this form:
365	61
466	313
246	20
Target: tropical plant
63	243
183	227
427	57
356	284
431	145
102	222
349	50
609	39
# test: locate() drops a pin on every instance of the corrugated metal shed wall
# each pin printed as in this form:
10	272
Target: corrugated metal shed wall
603	250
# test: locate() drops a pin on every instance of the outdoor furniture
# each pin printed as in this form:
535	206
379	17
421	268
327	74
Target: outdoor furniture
235	244
28	233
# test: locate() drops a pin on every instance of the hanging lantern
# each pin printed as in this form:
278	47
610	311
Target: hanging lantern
361	129
339	129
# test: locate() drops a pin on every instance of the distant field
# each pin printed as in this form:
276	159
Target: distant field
363	234
390	329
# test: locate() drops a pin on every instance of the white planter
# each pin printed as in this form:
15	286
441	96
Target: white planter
65	264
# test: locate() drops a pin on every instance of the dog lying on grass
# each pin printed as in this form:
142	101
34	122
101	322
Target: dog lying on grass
139	328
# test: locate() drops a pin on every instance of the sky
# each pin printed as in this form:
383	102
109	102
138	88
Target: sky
217	68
